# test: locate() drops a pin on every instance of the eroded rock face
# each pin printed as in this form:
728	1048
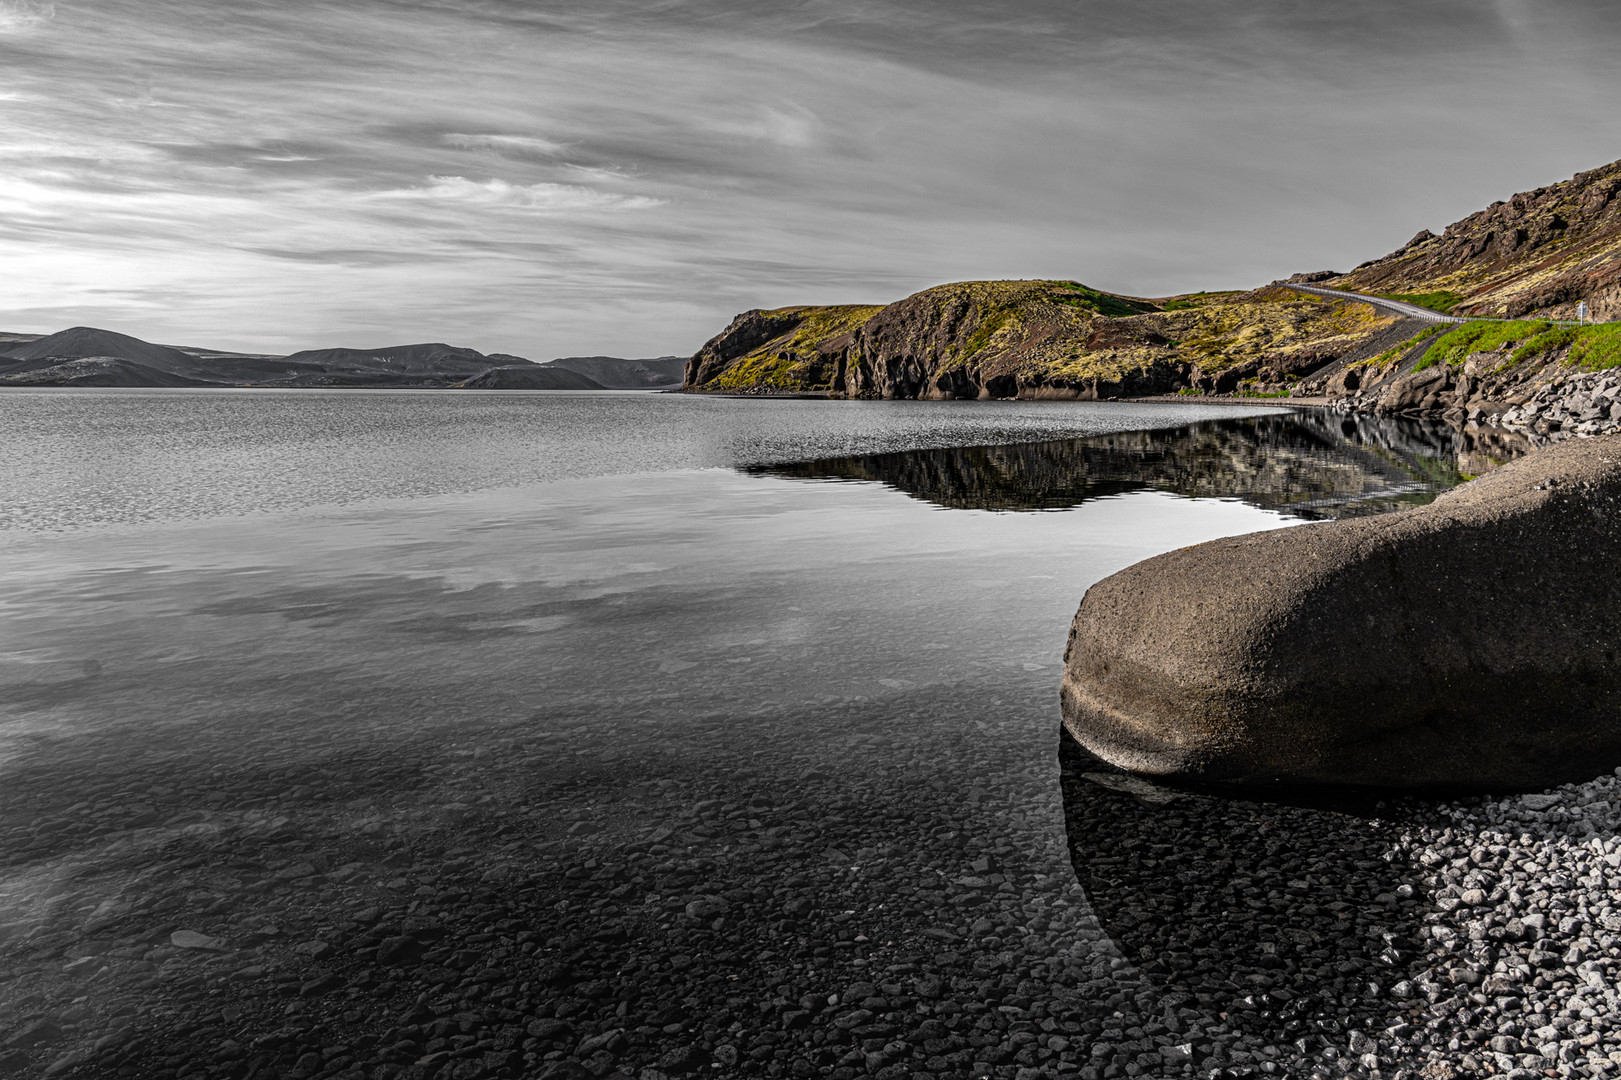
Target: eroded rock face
1469	644
747	332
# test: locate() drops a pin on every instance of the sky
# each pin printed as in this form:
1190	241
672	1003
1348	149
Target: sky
621	177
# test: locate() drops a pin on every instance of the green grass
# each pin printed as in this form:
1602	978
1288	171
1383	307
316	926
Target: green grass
1597	348
1556	337
1397	350
1455	346
1443	302
1592	348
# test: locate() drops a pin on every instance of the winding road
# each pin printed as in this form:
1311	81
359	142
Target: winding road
1399	307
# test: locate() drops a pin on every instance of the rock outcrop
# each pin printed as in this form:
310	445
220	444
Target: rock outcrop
1468	644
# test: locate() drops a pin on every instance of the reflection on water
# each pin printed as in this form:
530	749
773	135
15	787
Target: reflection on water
1292	921
1311	465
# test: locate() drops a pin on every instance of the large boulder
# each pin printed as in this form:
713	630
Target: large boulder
1466	644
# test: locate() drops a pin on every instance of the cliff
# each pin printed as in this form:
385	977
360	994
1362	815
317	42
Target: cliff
1537	253
1034	339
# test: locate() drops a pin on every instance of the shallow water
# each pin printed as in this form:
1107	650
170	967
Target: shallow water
413	641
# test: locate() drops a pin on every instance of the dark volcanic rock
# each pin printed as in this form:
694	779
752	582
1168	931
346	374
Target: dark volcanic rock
1470	643
747	332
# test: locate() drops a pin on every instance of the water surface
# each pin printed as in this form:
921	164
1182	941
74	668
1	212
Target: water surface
651	733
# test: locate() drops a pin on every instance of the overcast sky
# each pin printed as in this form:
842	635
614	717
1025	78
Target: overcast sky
622	176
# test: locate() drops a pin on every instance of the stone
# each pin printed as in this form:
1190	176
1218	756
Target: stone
1467	644
38	1033
191	939
1412	390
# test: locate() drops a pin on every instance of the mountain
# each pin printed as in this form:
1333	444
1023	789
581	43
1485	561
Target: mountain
1036	339
1535	254
659	373
85	356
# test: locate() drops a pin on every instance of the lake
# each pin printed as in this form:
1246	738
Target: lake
482	734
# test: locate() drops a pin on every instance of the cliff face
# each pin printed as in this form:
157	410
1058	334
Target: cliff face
1032	339
1538	253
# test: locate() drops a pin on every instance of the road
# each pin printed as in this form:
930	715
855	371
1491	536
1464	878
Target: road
1399	307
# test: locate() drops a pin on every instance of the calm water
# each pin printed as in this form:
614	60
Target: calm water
561	611
86	458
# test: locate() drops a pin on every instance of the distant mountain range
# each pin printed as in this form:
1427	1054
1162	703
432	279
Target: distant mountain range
85	356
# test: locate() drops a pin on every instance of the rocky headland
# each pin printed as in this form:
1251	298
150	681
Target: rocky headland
1034	340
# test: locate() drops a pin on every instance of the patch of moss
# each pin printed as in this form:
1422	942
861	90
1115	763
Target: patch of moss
1074	294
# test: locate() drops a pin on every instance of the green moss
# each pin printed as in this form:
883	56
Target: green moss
1074	294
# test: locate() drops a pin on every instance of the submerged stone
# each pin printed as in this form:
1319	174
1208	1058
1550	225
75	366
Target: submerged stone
1467	644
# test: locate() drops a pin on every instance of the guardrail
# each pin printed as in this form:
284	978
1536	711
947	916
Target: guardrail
1413	311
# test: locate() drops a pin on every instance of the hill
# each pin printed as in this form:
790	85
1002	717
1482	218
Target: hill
81	342
85	356
1036	339
614	373
1537	253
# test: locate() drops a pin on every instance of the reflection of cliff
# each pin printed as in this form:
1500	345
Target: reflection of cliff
1311	465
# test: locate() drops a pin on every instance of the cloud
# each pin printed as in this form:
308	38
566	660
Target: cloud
507	173
24	16
500	193
791	127
520	144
